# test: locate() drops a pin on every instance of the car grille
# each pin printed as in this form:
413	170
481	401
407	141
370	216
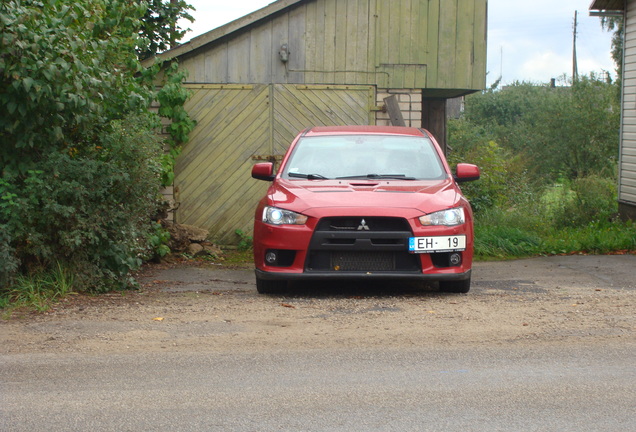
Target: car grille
361	244
354	223
363	261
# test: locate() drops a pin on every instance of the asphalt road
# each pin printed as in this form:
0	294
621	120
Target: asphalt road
540	388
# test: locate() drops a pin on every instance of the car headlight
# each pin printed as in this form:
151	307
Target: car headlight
277	216
449	217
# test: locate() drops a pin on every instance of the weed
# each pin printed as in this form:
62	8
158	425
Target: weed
39	291
245	241
238	257
158	241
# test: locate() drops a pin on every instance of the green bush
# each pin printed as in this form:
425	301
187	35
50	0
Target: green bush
548	158
503	182
8	261
80	165
586	200
66	70
491	188
569	131
245	241
90	209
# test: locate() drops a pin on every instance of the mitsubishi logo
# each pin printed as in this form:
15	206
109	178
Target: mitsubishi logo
363	226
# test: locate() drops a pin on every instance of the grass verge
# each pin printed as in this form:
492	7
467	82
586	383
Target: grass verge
507	237
38	291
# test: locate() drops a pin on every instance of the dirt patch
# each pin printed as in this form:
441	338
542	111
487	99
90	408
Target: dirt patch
215	308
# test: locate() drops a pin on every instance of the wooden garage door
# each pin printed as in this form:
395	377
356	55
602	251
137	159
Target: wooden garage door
236	126
297	107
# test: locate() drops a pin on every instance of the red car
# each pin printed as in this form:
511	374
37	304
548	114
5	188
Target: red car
363	202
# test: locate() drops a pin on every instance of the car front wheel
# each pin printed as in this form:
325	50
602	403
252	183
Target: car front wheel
462	286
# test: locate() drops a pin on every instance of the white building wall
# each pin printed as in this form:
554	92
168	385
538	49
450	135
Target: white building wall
410	101
627	165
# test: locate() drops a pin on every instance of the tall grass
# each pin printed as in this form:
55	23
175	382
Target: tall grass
38	291
566	218
503	242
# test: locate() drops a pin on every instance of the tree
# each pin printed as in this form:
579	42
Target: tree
616	25
160	27
79	157
57	88
579	129
559	132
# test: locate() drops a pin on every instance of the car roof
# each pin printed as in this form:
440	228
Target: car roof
367	130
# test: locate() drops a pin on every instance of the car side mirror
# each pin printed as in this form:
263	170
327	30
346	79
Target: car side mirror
466	172
263	171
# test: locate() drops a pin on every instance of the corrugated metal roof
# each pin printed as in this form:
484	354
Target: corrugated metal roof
607	5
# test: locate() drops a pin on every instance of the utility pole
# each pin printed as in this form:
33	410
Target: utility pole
501	62
575	68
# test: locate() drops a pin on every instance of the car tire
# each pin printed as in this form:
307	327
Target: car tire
264	286
460	287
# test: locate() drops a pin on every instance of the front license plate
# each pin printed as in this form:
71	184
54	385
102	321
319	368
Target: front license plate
437	244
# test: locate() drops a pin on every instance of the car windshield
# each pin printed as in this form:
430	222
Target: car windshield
364	157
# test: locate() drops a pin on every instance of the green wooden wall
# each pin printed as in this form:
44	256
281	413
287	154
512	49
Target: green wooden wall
428	44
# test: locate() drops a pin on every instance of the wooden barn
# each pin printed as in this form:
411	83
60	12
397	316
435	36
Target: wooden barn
261	79
627	154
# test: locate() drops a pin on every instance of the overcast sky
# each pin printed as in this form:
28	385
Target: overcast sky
528	40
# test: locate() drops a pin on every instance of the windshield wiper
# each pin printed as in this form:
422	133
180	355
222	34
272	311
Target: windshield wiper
379	176
307	176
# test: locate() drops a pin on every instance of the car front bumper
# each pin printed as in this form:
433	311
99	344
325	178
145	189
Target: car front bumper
334	247
330	275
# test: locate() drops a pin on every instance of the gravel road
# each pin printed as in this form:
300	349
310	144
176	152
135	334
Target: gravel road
213	308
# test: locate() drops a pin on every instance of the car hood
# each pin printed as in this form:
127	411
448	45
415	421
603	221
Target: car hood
304	195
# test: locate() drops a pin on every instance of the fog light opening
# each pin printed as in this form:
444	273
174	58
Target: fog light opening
271	257
455	259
